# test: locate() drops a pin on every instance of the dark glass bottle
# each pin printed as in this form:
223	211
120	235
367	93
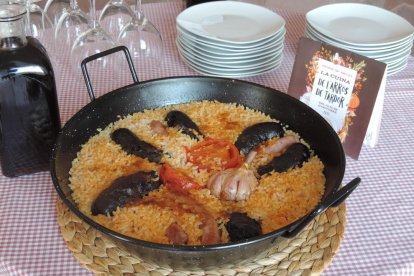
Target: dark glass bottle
29	112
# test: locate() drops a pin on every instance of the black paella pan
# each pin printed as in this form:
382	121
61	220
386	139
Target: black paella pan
161	92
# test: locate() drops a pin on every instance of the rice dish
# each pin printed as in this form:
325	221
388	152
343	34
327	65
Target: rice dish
278	199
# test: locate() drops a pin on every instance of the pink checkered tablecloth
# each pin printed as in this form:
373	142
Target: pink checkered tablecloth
379	236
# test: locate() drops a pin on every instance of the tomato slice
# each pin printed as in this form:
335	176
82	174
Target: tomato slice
214	154
176	180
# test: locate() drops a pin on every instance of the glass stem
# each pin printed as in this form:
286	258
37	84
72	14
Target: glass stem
92	11
138	10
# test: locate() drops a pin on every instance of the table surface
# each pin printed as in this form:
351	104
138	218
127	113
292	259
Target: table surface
379	235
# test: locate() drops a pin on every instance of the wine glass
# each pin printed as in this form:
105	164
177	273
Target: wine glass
36	19
114	16
54	9
72	23
143	40
94	40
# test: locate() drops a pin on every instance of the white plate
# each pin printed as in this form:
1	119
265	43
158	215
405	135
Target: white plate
362	48
397	67
359	48
359	24
395	64
230	64
229	21
260	58
229	67
273	40
182	31
228	57
224	52
405	53
384	55
233	74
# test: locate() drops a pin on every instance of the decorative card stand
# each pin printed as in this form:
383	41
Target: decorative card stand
347	89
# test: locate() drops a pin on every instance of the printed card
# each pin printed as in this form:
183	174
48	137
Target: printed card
343	87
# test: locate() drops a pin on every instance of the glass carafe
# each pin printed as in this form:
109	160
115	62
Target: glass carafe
29	112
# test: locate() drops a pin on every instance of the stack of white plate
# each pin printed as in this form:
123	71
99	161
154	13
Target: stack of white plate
230	39
364	29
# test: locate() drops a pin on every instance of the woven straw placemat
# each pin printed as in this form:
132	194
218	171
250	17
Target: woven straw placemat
308	253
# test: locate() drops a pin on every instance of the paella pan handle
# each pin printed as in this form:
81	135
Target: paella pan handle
100	55
332	200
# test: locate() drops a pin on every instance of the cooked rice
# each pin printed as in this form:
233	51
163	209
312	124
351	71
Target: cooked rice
279	199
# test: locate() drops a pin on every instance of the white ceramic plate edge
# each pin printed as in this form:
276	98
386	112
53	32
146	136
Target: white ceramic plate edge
200	13
317	19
